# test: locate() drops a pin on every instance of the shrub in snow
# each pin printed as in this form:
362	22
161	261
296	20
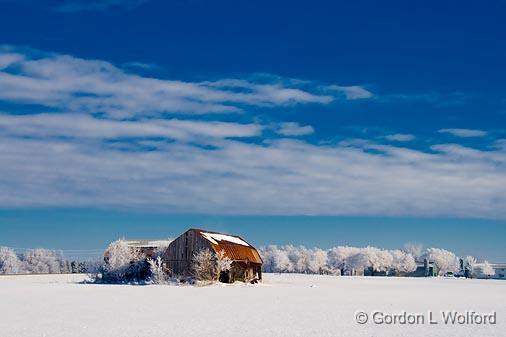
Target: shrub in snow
444	260
203	265
158	271
9	261
487	270
124	263
39	261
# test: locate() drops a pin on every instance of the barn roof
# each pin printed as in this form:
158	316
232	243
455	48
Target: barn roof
234	247
148	243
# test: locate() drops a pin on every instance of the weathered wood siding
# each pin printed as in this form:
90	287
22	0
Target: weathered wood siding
179	254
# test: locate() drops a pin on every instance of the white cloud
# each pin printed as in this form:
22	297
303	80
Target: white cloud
90	86
140	65
464	132
400	137
8	59
83	126
294	129
108	143
352	92
234	177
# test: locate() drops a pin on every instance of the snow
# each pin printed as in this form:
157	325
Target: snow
283	305
214	237
148	243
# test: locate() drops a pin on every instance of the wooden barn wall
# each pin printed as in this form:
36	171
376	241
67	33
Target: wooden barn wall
180	252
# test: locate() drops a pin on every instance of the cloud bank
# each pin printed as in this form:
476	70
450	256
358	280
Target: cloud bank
72	84
233	177
105	137
465	133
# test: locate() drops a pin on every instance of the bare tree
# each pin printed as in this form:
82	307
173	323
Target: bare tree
9	261
444	260
402	262
123	262
469	264
223	263
487	269
158	270
203	265
38	261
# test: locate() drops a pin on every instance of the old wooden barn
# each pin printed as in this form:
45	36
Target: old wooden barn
246	262
149	248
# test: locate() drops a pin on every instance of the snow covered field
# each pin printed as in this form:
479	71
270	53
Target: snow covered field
284	305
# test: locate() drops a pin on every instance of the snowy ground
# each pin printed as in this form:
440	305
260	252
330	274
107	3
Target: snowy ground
284	305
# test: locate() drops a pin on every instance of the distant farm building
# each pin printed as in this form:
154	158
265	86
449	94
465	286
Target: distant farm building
141	251
499	271
246	261
149	248
424	269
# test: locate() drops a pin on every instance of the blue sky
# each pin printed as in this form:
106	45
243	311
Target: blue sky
262	115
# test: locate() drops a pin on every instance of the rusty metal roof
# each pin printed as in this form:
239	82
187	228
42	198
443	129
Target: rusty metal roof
233	250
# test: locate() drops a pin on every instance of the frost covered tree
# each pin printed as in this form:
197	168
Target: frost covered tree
402	262
414	249
339	258
93	266
40	261
288	259
317	263
487	269
298	257
444	260
275	259
123	262
282	261
158	271
223	263
9	261
203	265
375	259
267	253
469	265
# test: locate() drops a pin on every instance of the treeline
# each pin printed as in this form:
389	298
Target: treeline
41	261
124	263
346	260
